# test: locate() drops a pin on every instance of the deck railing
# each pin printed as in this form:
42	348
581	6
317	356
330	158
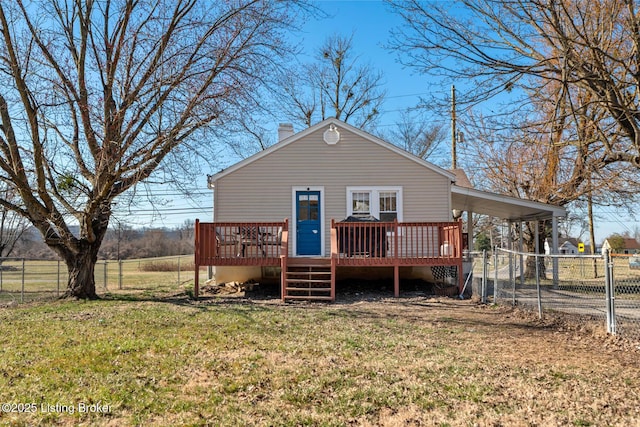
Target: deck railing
396	243
240	243
373	244
352	243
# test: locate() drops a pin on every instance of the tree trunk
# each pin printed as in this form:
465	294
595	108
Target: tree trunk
530	268
530	262
82	282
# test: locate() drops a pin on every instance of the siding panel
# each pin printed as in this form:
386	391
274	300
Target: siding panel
262	190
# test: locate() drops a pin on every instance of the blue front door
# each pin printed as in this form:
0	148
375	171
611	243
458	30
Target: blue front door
308	229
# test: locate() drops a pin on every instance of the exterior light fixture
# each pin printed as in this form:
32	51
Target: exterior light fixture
331	136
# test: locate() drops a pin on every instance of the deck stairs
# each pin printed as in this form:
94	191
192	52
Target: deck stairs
308	279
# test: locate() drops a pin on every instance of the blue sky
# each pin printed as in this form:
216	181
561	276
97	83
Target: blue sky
369	22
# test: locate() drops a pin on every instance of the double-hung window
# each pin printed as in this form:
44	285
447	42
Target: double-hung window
361	203
383	203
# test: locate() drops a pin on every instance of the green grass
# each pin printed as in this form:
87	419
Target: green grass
157	358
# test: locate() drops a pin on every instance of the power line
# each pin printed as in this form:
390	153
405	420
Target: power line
408	95
164	210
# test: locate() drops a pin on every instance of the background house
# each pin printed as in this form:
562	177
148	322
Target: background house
567	246
629	246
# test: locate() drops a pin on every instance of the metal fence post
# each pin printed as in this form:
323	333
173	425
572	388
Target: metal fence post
22	289
607	294
538	286
512	277
495	274
119	274
537	261
58	281
614	323
608	290
105	274
521	251
178	270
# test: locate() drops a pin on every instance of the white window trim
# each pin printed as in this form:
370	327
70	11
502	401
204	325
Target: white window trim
374	199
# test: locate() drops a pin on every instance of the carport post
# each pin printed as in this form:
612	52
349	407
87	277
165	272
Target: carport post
470	245
554	250
538	271
485	269
512	266
521	250
495	275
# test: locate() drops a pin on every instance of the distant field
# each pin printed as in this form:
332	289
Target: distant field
155	357
48	279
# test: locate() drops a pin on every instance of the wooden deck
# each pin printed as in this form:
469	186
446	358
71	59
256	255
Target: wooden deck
353	244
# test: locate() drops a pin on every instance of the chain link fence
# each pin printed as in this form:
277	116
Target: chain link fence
598	286
626	303
24	280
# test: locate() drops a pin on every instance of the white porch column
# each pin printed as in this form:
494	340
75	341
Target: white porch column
470	231
512	264
554	249
521	250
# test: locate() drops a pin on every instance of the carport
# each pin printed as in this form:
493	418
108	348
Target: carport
464	198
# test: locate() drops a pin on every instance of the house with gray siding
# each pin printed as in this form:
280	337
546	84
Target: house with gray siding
333	201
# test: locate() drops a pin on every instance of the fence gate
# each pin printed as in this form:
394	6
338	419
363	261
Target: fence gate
598	286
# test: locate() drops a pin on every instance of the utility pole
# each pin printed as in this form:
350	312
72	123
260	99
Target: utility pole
453	128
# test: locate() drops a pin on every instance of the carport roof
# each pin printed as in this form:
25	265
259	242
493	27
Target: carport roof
503	207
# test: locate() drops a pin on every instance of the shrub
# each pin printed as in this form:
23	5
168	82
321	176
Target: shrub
167	265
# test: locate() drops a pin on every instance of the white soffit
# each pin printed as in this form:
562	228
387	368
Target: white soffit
503	207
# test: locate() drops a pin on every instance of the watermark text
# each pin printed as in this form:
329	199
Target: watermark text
59	408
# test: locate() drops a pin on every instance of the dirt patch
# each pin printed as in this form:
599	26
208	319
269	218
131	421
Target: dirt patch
503	365
521	328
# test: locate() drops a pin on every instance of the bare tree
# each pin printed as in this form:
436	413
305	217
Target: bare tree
550	161
98	96
586	45
417	135
336	85
12	225
617	243
571	62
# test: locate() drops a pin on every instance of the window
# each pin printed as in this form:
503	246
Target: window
388	205
307	207
384	203
360	205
